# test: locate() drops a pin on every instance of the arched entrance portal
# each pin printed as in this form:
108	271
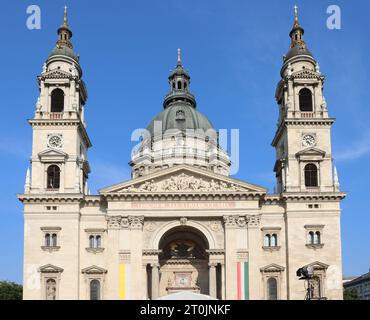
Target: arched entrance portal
183	261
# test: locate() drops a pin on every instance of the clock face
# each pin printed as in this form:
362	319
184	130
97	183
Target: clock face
55	141
308	140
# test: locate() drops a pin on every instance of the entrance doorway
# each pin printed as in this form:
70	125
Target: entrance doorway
183	261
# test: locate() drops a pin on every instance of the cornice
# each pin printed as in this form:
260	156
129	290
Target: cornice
54	122
63	122
311	121
300	122
51	198
312	196
273	199
184	196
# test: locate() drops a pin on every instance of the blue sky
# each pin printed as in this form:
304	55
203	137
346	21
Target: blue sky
233	50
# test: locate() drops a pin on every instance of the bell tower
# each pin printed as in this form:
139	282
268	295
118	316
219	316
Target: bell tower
303	139
60	141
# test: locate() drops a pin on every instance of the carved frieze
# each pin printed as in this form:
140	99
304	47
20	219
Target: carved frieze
136	222
235	221
229	221
114	222
183	182
254	220
125	224
307	74
241	221
130	222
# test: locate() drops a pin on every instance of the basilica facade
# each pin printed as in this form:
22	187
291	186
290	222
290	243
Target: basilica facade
181	223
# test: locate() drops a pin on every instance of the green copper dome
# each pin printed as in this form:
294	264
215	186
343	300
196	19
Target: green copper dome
298	51
180	116
64	51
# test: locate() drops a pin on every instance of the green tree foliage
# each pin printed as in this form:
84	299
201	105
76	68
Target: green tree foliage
10	291
350	294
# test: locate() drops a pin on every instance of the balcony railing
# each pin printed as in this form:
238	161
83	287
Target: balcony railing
307	115
56	115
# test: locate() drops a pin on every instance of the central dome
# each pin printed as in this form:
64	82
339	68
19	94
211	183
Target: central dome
179	134
179	116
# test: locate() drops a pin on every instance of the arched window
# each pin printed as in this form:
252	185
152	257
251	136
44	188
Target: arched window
274	240
317	237
311	237
98	241
57	100
95	290
305	100
185	85
47	240
272	289
179	85
173	85
51	289
266	240
54	240
91	241
310	175
53	179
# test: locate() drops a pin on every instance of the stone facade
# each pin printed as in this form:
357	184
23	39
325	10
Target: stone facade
180	226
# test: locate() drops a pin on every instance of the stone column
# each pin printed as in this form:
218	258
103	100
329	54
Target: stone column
111	289
212	279
155	280
230	257
136	244
223	287
254	257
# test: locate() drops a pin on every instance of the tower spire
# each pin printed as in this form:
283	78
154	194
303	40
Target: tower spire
296	34
65	18
179	57
296	15
65	34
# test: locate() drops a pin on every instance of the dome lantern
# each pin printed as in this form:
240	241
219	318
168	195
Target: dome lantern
179	81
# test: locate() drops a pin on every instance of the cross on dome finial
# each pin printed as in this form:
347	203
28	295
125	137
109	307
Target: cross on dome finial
295	12
65	20
179	56
296	22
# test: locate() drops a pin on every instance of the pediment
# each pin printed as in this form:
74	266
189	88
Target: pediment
272	268
52	154
183	179
49	268
311	152
317	265
94	270
56	74
306	74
